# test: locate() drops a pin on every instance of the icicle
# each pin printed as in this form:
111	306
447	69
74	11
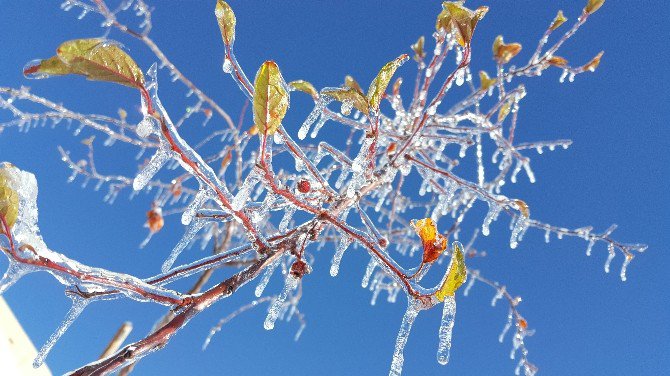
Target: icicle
368	272
191	230
299	332
192	208
269	270
157	161
290	285
446	327
339	252
610	257
547	236
624	266
492	215
589	247
498	296
227	65
311	118
520	226
242	195
78	305
403	334
505	329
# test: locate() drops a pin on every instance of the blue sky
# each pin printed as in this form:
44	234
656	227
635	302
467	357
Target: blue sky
616	171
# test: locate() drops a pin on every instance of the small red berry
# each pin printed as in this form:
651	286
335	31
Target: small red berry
304	186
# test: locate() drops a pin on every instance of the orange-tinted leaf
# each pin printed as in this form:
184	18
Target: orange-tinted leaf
593	5
270	99
502	52
593	64
557	61
523	208
433	243
155	219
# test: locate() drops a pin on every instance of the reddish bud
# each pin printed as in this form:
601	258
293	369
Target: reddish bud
300	268
304	186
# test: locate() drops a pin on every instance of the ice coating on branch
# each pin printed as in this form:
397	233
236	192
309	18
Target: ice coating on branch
269	270
403	334
273	313
243	194
78	305
446	328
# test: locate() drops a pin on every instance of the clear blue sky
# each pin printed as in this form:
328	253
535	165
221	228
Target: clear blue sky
615	172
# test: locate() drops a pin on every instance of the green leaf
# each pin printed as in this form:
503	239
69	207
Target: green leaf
456	273
381	82
226	19
96	59
305	87
270	99
349	95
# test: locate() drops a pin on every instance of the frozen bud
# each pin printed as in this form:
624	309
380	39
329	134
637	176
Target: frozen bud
155	219
304	186
300	268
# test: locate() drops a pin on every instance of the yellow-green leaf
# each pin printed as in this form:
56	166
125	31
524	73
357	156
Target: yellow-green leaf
9	198
52	66
349	95
97	59
101	60
502	52
463	21
558	21
226	19
305	87
456	273
486	82
504	110
593	5
417	47
381	82
352	83
270	99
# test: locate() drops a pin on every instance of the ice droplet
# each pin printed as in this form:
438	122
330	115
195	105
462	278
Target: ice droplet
227	65
445	331
290	285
